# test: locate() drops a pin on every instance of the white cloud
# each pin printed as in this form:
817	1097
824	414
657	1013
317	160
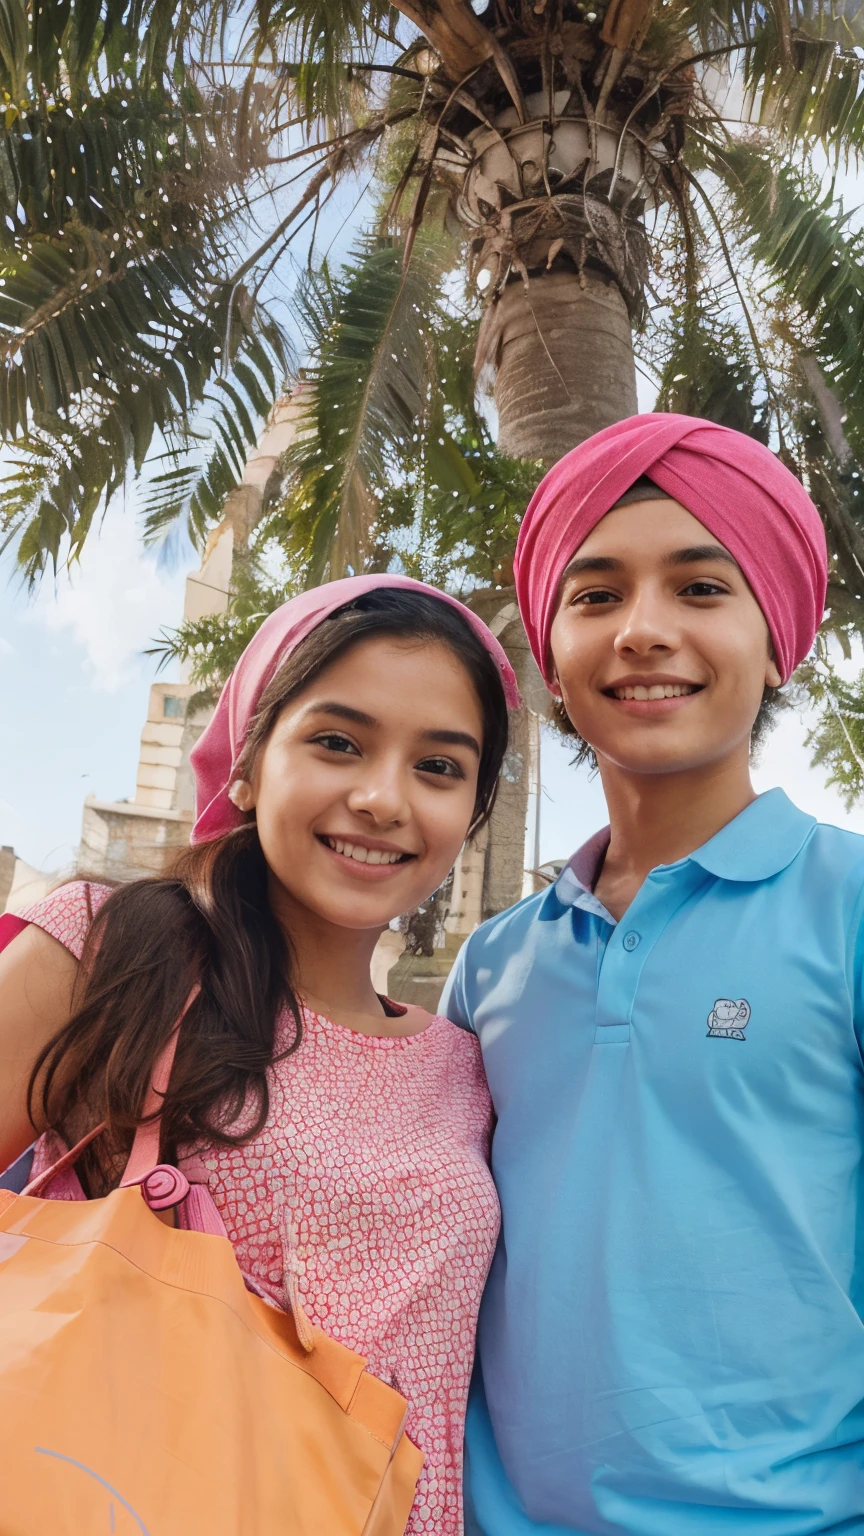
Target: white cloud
6	648
113	603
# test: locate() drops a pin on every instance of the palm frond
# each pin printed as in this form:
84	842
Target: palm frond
103	391
318	43
813	97
803	240
707	370
371	339
211	646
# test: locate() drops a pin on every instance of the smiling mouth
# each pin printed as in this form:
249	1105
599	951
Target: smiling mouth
654	691
363	855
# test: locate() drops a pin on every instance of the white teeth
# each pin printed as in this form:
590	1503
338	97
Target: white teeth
656	691
363	855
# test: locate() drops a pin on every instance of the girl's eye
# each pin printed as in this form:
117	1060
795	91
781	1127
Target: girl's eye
333	742
444	767
704	589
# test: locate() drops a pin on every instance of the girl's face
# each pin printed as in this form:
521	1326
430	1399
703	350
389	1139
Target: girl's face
365	789
661	650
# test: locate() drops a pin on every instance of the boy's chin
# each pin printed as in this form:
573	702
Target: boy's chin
657	757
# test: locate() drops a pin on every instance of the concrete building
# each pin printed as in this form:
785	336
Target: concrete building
20	884
123	839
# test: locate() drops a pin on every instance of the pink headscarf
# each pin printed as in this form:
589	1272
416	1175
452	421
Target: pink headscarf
218	748
731	483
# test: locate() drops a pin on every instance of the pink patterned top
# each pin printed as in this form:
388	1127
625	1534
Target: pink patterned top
370	1183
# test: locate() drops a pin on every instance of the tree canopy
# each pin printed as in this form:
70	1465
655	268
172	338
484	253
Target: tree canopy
165	173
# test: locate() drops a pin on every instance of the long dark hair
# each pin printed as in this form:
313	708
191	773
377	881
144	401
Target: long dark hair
210	920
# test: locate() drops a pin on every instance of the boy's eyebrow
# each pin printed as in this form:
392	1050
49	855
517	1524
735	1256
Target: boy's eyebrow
690	556
592	563
698	552
359	717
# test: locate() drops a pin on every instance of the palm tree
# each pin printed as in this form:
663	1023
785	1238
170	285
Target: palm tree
572	162
569	160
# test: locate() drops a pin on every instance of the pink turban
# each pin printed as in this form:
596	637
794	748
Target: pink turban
735	486
217	749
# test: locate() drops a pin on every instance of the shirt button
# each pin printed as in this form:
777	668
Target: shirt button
632	939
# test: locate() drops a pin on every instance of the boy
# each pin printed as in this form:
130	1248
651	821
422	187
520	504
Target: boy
671	1340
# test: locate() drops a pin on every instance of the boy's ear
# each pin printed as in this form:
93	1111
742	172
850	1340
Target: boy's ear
772	676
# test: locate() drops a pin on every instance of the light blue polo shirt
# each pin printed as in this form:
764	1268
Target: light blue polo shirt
672	1337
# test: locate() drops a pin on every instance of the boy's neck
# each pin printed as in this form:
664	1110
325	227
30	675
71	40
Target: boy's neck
658	819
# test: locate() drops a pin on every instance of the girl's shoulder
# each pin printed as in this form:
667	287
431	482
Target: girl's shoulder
67	913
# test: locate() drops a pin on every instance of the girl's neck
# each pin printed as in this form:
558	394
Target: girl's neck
658	819
331	968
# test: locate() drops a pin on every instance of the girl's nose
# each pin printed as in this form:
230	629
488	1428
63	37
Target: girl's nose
381	795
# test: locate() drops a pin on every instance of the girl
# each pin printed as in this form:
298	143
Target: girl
343	1137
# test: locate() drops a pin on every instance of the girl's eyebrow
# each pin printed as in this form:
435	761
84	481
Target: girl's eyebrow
359	717
344	712
453	739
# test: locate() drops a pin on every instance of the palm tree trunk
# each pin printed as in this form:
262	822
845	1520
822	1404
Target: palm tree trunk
563	353
504	865
565	364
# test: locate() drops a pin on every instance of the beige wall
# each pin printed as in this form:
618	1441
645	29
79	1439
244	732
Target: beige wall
20	884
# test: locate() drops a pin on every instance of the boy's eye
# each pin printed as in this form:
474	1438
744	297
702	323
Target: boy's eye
593	599
443	766
333	742
704	589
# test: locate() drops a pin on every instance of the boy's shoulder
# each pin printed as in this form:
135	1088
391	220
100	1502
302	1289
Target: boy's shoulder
836	847
507	927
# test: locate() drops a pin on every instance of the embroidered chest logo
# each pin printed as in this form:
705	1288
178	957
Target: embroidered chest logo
728	1020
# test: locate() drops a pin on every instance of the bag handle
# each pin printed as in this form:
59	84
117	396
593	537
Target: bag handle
145	1148
144	1156
162	1184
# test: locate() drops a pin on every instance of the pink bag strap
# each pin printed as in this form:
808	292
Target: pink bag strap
145	1148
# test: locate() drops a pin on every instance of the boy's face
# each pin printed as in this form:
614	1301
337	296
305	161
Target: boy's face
660	648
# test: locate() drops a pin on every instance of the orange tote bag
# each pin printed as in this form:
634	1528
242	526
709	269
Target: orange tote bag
144	1389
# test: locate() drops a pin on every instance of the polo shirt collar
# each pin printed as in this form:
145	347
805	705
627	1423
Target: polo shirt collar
757	844
764	839
575	884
